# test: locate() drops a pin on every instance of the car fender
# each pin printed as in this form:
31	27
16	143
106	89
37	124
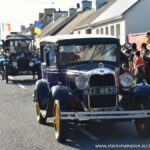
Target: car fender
65	94
141	90
42	93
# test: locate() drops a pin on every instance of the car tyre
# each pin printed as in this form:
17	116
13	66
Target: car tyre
5	74
143	125
40	118
61	126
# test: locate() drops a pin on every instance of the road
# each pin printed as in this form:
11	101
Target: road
19	129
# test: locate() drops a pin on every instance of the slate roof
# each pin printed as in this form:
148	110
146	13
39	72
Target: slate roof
53	27
115	11
68	29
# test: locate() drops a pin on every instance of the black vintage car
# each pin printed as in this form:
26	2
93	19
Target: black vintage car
81	82
20	57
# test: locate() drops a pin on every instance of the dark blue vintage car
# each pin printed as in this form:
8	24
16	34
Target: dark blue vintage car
81	82
19	57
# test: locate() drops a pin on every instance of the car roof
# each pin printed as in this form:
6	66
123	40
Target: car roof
62	39
18	37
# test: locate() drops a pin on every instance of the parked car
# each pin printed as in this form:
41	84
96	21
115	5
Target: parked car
81	82
20	57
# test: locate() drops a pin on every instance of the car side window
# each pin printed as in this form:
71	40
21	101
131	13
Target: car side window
49	55
52	56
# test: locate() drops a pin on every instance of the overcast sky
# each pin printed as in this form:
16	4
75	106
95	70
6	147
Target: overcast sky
17	12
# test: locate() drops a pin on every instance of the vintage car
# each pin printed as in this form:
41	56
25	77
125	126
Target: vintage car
81	83
20	58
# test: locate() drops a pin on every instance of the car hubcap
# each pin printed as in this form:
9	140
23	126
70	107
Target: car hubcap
57	119
37	110
142	126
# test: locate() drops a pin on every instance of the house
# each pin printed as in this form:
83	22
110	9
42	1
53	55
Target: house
122	17
83	14
84	27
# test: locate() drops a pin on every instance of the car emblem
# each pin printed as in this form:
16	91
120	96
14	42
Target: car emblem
101	71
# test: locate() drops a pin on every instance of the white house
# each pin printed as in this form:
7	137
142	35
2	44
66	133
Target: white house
121	18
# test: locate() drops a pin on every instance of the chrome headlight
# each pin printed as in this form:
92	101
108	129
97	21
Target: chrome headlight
81	82
14	64
126	80
31	64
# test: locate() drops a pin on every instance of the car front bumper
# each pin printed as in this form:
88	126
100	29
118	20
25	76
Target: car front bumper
107	115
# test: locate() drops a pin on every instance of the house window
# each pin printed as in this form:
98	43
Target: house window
118	30
106	30
97	31
102	30
88	31
112	32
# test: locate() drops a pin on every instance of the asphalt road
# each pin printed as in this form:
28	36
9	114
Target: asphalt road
19	129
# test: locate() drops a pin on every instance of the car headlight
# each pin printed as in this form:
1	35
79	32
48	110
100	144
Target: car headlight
81	82
31	64
14	64
126	80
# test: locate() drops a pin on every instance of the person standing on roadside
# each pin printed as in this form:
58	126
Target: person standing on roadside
145	55
148	38
138	61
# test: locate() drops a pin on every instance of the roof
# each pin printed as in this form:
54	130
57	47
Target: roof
95	14
115	11
53	27
68	29
18	37
73	38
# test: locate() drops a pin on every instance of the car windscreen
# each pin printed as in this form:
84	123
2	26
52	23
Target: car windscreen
16	46
79	53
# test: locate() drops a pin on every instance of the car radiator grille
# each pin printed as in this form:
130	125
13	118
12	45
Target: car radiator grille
105	99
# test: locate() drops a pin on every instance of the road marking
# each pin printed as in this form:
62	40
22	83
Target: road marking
91	136
23	87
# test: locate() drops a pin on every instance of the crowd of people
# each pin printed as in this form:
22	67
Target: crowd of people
133	59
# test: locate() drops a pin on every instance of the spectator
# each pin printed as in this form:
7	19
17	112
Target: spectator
144	51
148	38
130	62
145	55
138	61
134	47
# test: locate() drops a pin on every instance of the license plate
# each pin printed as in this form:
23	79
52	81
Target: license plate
108	90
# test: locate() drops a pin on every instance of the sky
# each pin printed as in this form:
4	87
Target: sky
24	12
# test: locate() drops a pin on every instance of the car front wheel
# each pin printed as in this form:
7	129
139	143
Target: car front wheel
40	118
61	126
5	74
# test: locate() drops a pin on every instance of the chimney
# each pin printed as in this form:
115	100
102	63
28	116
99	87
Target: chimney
72	11
57	14
41	15
49	11
99	3
86	5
